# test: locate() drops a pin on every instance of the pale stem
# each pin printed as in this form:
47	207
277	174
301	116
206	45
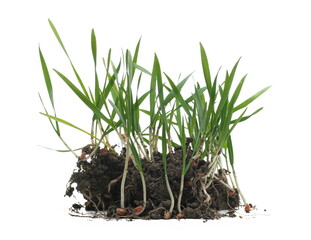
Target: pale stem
225	184
96	147
200	150
170	193
144	147
150	143
92	133
143	182
125	173
208	197
68	146
144	191
180	192
238	187
169	142
156	138
140	150
230	177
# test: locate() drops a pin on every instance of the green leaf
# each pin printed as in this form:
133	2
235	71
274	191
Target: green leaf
230	151
140	68
56	127
63	47
206	70
224	135
120	114
247	117
237	91
251	99
47	78
66	123
136	156
84	99
226	91
94	46
135	58
94	53
179	86
179	96
57	36
57	150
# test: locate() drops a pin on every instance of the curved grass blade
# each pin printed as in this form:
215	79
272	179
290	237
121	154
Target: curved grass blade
206	70
63	47
47	78
84	99
251	99
66	123
230	150
94	53
58	150
178	96
135	56
247	117
56	128
142	69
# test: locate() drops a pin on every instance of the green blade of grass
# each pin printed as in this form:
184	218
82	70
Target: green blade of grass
59	150
49	87
179	86
206	70
230	150
47	78
178	96
227	115
94	53
226	91
63	47
152	96
162	107
66	123
120	114
135	57
142	69
56	127
247	117
225	134
94	46
251	99
136	157
57	36
83	98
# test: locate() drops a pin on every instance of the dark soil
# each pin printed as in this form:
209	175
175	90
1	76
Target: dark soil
99	180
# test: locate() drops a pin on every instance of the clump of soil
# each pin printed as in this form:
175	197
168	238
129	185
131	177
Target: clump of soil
99	180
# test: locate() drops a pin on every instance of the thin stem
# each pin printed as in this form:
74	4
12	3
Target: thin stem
140	150
169	142
200	150
208	197
238	187
225	184
68	146
92	133
151	143
125	173
170	194
143	182
180	192
96	147
156	138
146	155
230	177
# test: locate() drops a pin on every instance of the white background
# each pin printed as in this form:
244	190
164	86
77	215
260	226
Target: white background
272	149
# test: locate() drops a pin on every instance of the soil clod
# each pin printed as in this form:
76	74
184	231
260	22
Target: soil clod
99	179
